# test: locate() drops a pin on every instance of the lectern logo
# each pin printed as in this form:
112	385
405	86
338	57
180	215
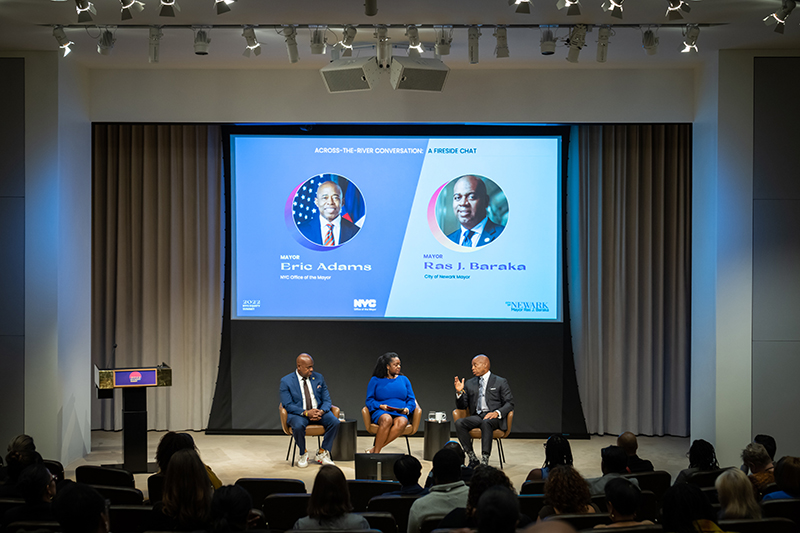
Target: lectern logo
135	377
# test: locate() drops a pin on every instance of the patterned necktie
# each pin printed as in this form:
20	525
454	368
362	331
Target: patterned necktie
307	394
481	389
329	236
468	238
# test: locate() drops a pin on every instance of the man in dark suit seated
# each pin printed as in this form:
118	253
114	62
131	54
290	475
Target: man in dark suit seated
306	399
329	229
470	201
489	400
627	441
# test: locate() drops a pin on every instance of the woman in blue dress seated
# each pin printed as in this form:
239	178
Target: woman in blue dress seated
390	400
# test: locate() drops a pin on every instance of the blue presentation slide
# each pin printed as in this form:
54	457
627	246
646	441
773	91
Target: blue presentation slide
401	228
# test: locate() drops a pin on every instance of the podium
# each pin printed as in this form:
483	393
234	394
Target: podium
134	383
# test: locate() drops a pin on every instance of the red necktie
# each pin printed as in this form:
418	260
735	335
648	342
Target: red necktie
329	236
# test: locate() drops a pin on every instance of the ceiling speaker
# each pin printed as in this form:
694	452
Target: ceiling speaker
418	74
350	74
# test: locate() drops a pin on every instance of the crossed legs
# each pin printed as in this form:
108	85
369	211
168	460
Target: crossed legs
389	428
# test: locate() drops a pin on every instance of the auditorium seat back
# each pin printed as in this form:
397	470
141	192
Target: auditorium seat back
382	521
363	490
103	475
788	508
283	510
657	482
398	506
761	525
531	504
120	495
583	521
55	468
704	479
129	518
260	488
533	487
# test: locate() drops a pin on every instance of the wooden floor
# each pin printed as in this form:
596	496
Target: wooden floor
236	456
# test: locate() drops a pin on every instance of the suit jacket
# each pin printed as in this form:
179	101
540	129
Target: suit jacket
490	232
292	396
312	230
498	397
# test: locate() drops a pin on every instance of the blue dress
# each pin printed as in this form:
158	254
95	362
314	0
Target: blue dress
392	392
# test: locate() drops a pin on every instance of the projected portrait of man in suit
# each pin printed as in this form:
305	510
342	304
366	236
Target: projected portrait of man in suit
328	210
465	210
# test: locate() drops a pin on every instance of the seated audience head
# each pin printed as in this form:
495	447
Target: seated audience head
682	506
566	491
736	495
498	510
446	467
756	458
187	490
36	484
230	509
19	461
20	444
768	442
381	366
702	455
170	443
550	526
622	498
613	460
557	451
787	475
485	476
627	441
456	447
407	470
330	497
80	509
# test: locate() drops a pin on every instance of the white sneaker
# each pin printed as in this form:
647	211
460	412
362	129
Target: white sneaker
323	458
302	461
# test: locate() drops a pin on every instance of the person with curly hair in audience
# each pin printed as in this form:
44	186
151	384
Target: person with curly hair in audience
38	486
685	509
702	458
622	500
736	496
756	458
787	477
557	452
329	506
483	478
186	505
498	511
566	492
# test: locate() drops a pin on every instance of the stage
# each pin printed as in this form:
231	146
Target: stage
237	456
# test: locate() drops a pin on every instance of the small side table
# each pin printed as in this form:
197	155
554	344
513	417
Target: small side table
344	445
436	436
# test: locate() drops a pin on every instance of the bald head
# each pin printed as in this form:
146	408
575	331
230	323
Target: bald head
480	365
627	441
305	365
329	200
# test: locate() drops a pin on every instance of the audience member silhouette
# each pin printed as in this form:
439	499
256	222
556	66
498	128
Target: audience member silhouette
466	471
759	463
172	442
498	510
38	487
566	492
622	501
685	509
447	493
613	463
232	510
186	503
702	458
787	477
557	452
736	496
408	470
329	506
80	509
627	441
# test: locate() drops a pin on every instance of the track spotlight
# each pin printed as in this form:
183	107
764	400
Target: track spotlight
346	44
253	46
603	34
547	44
201	40
650	42
63	41
473	36
155	44
222	6
128	6
674	8
573	7
690	34
501	34
290	36
85	10
318	43
615	6
414	46
106	41
168	8
384	55
779	17
576	41
523	6
371	8
444	36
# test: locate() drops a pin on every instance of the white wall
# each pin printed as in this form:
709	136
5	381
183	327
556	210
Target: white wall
560	95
